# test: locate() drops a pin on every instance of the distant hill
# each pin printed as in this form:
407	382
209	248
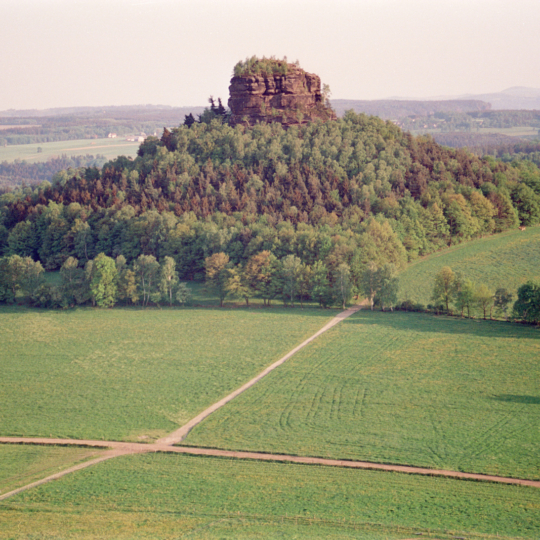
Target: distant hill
394	109
113	111
516	98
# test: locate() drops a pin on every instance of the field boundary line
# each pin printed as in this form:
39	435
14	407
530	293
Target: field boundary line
117	448
180	434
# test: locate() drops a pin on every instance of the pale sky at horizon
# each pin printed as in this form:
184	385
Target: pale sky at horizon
60	53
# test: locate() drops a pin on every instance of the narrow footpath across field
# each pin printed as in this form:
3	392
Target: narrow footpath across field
180	434
115	448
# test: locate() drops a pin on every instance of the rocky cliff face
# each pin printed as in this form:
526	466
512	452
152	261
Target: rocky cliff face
291	99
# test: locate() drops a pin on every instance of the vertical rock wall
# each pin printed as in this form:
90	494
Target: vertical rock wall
291	99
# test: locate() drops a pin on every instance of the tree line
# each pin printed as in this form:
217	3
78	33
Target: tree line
451	290
104	281
293	281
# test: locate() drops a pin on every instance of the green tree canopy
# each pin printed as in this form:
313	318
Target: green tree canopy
103	284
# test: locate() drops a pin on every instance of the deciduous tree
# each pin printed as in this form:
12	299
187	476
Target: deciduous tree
183	293
146	270
387	287
168	279
444	288
237	286
369	282
321	290
465	296
527	305
291	267
103	284
484	299
501	300
217	274
343	284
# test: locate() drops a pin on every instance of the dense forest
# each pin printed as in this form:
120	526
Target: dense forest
480	144
354	191
500	146
21	172
525	150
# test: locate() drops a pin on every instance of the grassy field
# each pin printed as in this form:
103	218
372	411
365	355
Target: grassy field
133	374
21	465
398	388
172	496
110	148
504	260
517	131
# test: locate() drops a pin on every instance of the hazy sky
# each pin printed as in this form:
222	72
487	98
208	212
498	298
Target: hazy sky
178	52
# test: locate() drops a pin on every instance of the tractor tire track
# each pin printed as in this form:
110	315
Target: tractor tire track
181	433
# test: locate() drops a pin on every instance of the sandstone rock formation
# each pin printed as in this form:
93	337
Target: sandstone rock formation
290	98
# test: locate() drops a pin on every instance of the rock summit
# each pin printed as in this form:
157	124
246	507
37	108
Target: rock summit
270	90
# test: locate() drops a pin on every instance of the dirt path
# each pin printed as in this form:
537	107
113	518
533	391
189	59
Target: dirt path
180	434
165	444
123	448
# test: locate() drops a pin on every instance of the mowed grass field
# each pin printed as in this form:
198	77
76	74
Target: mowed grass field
110	148
133	374
174	496
21	465
505	260
400	388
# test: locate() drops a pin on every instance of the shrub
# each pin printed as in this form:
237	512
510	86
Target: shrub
261	66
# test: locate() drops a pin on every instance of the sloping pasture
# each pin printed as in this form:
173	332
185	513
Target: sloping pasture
504	260
133	374
398	388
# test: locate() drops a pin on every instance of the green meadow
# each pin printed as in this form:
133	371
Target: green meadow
21	465
110	148
503	260
399	388
174	496
133	374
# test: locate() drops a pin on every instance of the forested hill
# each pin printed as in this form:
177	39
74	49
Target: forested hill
356	188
